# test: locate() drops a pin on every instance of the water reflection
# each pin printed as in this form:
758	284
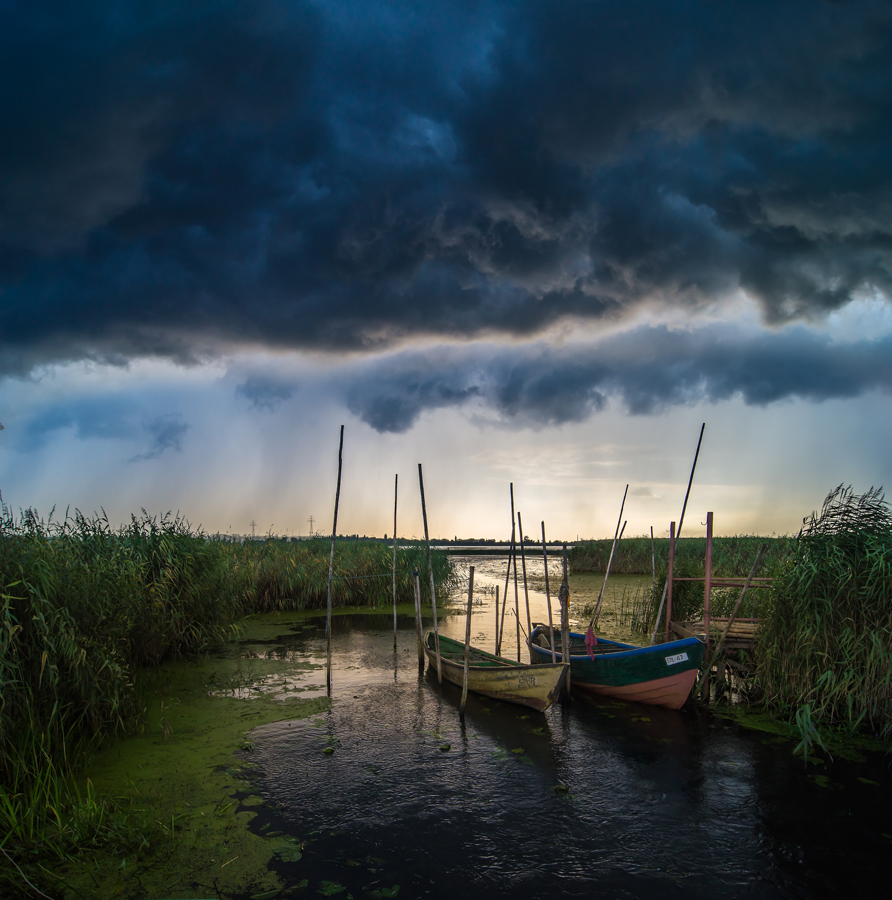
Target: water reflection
614	799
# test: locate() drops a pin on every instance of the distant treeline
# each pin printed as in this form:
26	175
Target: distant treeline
634	556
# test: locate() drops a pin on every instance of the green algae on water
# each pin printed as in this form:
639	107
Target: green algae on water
181	770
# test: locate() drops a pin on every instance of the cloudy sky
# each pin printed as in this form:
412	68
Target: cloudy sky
524	242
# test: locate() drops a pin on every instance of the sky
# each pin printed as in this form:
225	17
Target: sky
516	242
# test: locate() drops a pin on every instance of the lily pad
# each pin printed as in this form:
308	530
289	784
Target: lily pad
328	751
445	748
266	895
330	888
290	854
518	750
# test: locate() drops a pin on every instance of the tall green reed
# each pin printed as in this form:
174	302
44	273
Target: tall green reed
825	651
84	605
731	555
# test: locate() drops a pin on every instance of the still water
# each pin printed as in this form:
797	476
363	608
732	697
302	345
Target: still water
388	790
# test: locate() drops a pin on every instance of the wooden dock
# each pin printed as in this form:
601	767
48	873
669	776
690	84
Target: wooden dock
741	635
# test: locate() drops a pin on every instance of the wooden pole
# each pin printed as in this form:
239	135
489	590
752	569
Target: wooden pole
501	631
430	568
684	506
564	597
548	596
616	536
395	487
334	532
505	597
594	621
653	554
516	590
464	682
497	621
707	589
669	574
526	591
419	634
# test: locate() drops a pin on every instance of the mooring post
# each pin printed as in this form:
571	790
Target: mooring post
497	621
430	567
395	486
464	683
564	597
669	578
419	635
526	590
334	532
707	589
548	597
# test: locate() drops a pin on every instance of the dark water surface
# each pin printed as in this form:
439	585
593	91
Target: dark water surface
603	799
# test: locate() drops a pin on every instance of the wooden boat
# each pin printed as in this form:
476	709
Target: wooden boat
534	685
662	674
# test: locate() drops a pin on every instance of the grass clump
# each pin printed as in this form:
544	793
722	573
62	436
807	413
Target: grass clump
825	650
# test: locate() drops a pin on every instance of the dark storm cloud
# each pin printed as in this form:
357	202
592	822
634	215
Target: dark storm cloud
265	392
180	179
101	418
165	433
647	371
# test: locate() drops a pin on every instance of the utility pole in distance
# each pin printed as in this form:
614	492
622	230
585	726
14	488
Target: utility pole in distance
311	520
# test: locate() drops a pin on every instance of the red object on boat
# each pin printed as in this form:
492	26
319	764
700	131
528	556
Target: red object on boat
590	641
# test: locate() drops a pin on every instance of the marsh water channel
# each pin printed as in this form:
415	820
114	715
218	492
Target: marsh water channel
387	794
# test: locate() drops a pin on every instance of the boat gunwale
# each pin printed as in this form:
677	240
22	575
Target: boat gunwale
630	650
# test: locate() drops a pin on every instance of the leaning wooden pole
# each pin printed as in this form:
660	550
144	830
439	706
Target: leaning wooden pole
616	536
419	633
464	681
596	616
496	648
511	557
684	506
707	586
670	575
396	479
501	629
334	532
653	554
548	596
430	568
516	589
564	597
526	590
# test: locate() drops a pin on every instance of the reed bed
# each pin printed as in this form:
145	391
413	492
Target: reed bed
731	555
825	651
84	605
